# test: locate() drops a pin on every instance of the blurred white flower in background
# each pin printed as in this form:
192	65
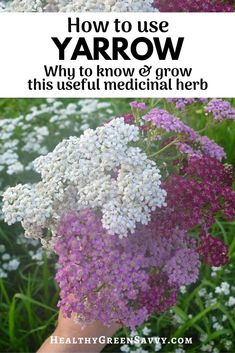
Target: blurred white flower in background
33	134
146	331
231	301
125	348
224	288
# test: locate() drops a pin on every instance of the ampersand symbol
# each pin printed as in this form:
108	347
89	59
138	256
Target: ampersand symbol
145	71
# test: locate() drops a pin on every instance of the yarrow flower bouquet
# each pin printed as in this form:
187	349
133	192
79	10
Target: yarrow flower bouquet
128	208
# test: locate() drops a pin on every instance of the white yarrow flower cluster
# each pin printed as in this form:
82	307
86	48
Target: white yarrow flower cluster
79	6
23	6
106	6
99	170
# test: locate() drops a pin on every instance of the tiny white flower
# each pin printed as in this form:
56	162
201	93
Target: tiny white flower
125	348
6	257
215	350
157	347
224	288
228	344
146	331
202	292
203	337
216	269
2	248
231	301
179	350
217	326
224	318
3	274
134	333
141	350
206	348
183	289
13	265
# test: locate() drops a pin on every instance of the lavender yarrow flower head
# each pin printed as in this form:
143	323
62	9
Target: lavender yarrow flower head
195	145
220	110
186	149
182	268
162	119
181	103
202	146
211	148
108	279
98	276
99	170
138	105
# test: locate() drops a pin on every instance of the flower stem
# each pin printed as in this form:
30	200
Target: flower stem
164	148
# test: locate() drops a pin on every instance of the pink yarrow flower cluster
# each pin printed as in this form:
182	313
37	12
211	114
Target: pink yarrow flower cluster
194	5
196	196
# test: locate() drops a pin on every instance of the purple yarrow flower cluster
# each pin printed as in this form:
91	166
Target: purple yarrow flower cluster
213	250
160	296
105	278
138	105
185	148
182	268
194	5
97	279
211	148
217	180
181	103
161	119
220	110
128	118
209	169
196	196
190	142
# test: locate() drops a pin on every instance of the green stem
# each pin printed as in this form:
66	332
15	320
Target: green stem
164	148
208	125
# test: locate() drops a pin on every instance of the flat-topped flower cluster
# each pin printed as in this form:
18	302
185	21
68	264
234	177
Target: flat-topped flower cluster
130	207
118	280
99	171
195	5
78	6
